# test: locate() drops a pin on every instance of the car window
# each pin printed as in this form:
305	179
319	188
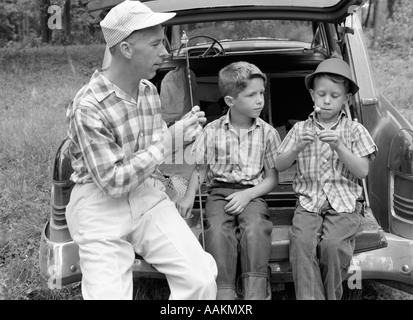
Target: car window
319	42
301	32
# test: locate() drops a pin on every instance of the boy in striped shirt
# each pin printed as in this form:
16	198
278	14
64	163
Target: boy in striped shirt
332	155
237	155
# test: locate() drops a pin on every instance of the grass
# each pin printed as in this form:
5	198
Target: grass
36	86
393	74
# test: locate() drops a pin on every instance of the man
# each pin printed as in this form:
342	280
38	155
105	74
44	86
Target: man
118	140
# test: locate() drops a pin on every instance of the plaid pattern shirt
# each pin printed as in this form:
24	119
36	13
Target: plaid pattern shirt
116	142
320	174
236	158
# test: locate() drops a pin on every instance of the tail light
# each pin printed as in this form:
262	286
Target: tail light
61	189
400	165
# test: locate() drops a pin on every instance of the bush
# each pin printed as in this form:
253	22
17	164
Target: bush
397	32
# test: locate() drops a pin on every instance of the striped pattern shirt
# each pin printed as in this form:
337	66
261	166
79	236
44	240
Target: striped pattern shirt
236	158
320	174
116	142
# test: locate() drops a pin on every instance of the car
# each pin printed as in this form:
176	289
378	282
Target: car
286	40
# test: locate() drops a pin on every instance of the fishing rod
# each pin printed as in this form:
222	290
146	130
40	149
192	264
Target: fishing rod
184	41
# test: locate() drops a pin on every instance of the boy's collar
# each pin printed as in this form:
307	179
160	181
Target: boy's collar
227	121
340	116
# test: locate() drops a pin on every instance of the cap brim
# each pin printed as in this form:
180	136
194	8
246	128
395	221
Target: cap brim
354	88
154	19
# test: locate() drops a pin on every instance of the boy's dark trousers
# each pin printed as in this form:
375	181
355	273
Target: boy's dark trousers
247	235
321	248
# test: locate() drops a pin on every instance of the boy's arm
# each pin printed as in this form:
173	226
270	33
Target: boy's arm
359	166
186	204
297	139
267	184
286	159
356	164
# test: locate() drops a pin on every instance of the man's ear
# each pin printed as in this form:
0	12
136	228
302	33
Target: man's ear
229	101
126	49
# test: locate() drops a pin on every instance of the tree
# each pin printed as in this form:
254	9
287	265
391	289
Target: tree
66	19
391	6
44	17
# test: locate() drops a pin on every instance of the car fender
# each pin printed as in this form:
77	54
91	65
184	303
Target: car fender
393	263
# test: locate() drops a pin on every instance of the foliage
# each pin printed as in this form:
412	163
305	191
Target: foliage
397	31
11	17
21	21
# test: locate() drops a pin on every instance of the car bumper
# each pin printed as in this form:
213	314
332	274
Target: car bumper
59	263
392	265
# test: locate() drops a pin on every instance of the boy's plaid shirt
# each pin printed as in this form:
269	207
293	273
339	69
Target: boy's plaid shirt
236	158
116	142
320	174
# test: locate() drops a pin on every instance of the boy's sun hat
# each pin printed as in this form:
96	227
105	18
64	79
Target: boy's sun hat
127	17
333	66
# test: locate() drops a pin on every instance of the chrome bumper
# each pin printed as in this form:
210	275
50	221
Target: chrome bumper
394	263
59	263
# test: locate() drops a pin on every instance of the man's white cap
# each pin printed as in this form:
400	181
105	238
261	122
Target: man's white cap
128	17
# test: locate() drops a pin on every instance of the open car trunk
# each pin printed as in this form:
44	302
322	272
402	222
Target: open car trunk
287	101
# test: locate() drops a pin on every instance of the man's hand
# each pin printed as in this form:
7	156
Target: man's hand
192	123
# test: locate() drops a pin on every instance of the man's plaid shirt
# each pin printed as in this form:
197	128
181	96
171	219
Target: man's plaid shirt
320	174
116	142
236	158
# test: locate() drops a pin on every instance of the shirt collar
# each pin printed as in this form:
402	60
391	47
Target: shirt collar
227	122
102	87
342	114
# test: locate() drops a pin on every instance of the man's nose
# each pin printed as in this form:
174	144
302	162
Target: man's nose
164	53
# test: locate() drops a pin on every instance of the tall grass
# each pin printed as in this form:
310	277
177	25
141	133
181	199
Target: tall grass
393	73
35	87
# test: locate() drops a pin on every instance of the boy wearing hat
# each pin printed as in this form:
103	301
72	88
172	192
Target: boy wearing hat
332	155
237	155
118	206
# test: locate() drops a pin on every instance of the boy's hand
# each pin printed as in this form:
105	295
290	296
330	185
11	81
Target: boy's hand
237	202
185	206
306	137
330	137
